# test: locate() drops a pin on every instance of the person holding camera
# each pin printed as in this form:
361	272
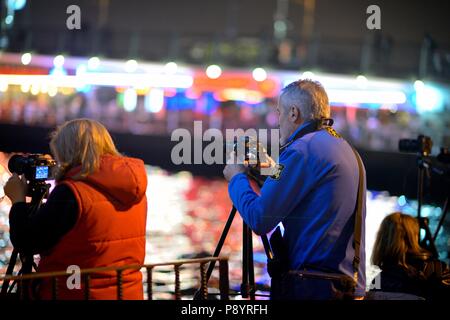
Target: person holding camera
405	266
317	192
95	216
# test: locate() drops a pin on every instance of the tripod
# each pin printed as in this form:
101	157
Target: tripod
424	164
38	192
247	287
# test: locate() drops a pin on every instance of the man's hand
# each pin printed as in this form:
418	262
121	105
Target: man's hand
16	188
233	167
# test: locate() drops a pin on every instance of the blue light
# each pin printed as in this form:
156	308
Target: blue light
81	70
428	99
425	212
58	72
9	19
401	201
84	89
17	4
422	234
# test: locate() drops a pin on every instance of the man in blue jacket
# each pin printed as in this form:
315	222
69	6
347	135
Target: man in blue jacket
313	194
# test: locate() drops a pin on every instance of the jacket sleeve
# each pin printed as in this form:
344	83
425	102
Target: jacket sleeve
279	196
35	232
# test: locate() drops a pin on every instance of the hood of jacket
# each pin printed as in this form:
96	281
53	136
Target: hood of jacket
122	178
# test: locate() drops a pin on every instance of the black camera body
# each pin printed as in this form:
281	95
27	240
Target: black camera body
36	167
249	147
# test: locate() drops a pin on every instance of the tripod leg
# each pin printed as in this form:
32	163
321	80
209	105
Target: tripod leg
245	261
428	242
441	221
225	231
216	253
9	271
420	181
251	267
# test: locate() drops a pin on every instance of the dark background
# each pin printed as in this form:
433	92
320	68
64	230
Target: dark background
332	36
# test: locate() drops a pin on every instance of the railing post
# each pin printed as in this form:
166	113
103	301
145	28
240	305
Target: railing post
119	285
224	284
149	283
177	282
87	286
54	288
203	285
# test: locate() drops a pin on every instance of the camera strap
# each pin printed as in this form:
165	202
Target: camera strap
358	219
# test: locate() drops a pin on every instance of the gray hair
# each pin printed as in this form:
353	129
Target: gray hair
309	97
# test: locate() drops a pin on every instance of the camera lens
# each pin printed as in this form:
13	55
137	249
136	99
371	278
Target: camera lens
17	163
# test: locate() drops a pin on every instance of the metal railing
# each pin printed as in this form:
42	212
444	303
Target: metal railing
86	275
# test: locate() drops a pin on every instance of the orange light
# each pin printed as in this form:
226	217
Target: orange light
238	80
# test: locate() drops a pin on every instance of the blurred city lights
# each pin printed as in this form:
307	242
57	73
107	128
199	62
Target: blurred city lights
361	81
171	68
428	99
58	62
19	4
3	86
213	71
366	96
44	88
26	58
93	63
401	201
154	100
81	70
102	79
52	91
418	84
130	99
25	87
259	74
9	19
34	90
58	72
307	75
131	66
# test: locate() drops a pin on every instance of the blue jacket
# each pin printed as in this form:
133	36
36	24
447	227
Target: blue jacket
314	197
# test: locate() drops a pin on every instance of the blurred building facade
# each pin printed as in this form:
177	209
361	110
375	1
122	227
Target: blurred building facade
328	35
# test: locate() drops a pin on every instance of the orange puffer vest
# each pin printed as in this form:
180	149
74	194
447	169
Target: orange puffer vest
110	230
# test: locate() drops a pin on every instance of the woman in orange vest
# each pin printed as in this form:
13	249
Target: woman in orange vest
95	216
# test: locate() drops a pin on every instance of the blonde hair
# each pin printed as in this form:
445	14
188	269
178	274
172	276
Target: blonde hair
80	142
398	236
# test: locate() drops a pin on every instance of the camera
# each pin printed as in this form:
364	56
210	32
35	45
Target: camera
421	145
36	167
249	147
